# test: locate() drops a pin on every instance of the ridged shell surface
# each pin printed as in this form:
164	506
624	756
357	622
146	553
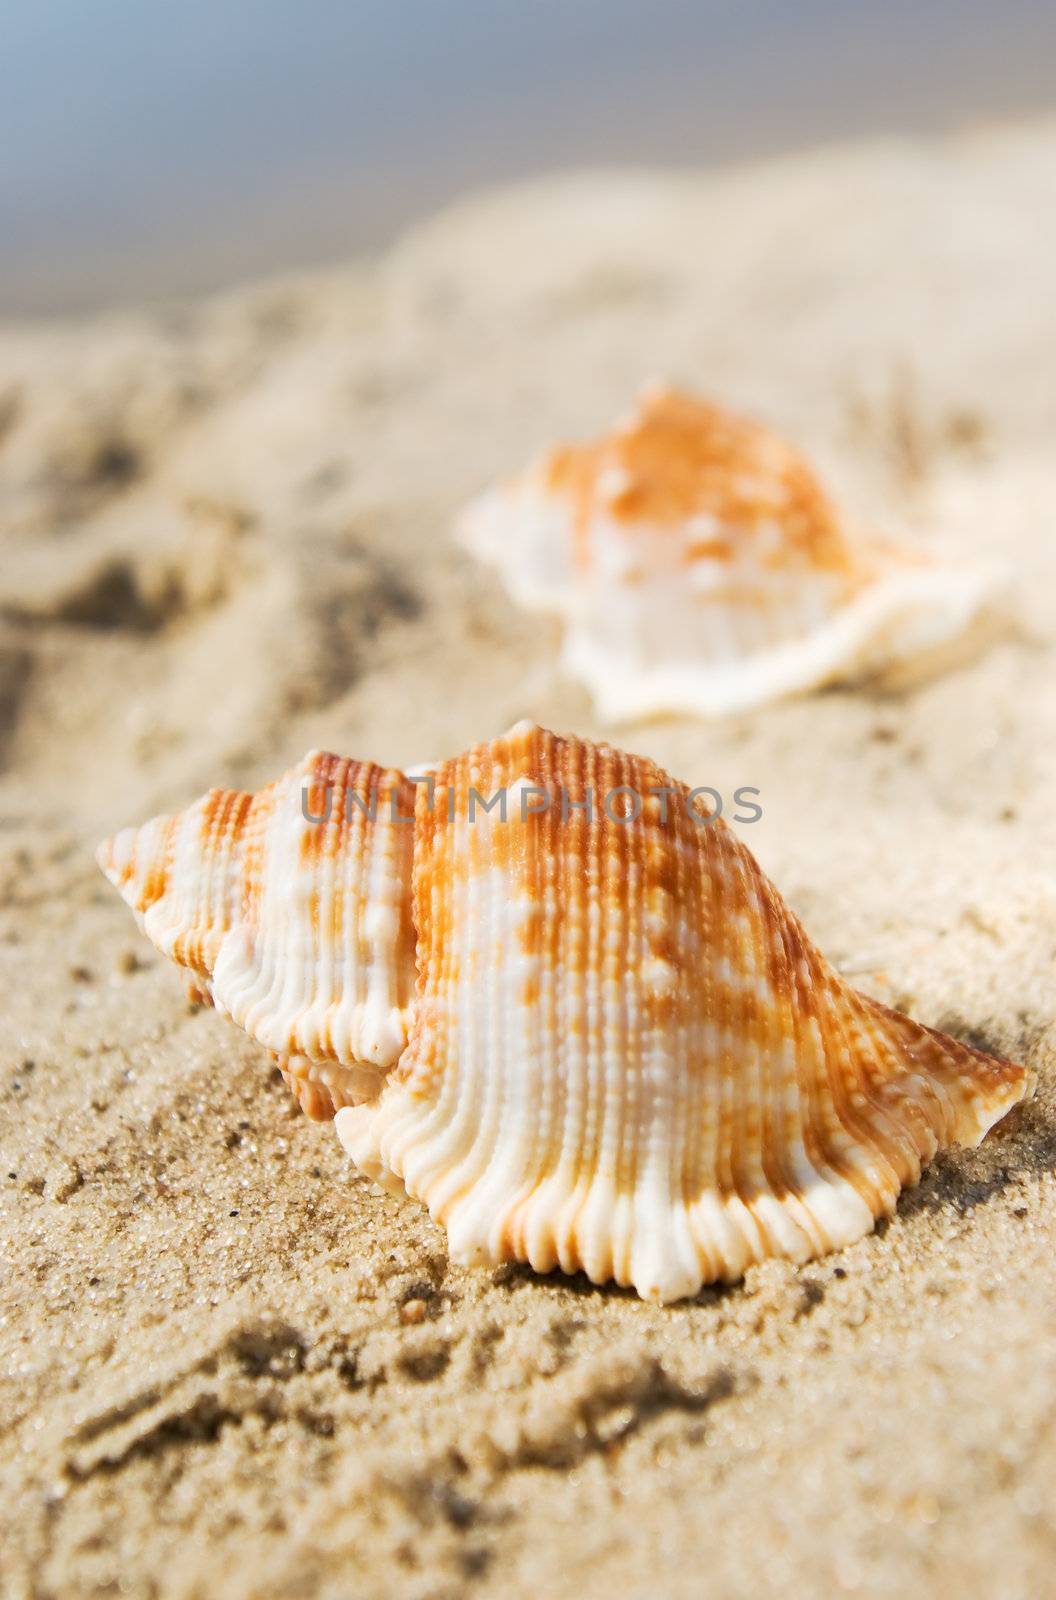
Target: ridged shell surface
626	1055
699	566
621	1054
292	910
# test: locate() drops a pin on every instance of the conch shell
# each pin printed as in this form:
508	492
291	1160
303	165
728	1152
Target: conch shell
549	996
699	567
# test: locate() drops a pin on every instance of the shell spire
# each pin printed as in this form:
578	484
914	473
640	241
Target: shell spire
291	910
563	1007
699	566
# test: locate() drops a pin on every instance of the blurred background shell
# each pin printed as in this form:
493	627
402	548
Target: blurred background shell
699	566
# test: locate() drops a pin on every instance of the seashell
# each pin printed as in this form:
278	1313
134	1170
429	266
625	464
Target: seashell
700	567
562	1007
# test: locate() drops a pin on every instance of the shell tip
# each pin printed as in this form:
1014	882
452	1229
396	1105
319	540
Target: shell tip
115	855
523	729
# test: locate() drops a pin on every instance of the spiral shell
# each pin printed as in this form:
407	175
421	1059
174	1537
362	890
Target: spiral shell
622	1054
700	567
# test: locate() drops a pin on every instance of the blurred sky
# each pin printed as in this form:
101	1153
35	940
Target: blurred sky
150	148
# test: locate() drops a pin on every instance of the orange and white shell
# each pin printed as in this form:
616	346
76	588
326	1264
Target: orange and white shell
560	1006
699	567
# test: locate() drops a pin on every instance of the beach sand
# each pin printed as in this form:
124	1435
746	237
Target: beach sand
226	539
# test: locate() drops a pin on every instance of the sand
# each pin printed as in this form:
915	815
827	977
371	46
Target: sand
228	1367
